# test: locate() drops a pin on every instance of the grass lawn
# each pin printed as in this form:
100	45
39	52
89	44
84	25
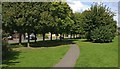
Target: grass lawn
97	54
36	57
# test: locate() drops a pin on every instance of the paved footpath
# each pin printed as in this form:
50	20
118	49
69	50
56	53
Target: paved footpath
70	58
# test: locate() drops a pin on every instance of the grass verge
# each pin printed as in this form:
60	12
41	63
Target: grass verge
97	54
35	57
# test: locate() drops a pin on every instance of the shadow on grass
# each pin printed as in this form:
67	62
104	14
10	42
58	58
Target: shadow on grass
85	40
13	55
48	43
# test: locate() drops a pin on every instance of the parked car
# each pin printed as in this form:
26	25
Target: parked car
32	37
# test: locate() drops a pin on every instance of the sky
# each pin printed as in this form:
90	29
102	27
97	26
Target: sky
81	5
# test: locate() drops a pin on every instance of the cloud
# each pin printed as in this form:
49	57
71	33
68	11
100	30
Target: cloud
80	6
77	6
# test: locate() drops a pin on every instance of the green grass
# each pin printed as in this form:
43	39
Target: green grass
36	57
48	53
97	54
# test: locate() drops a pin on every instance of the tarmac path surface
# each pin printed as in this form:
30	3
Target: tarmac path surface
69	60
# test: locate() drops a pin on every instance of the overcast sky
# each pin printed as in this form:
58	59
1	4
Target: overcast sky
81	5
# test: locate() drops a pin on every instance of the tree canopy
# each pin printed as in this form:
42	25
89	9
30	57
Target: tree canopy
57	18
99	23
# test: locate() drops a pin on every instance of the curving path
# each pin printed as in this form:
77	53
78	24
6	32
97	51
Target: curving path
70	58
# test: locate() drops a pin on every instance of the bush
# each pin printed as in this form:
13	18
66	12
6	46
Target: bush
5	48
102	34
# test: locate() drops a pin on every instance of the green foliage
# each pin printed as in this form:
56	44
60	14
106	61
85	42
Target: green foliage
78	23
61	13
57	18
99	23
5	48
41	17
102	34
5	35
13	18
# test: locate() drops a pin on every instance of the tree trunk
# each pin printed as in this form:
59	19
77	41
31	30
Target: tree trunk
74	36
60	36
28	44
35	37
70	35
20	39
43	36
57	36
51	36
63	35
67	35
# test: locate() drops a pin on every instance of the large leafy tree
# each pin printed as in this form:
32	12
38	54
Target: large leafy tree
13	18
98	23
77	27
45	21
62	14
21	17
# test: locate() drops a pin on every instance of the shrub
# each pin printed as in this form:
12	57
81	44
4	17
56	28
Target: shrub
5	48
102	34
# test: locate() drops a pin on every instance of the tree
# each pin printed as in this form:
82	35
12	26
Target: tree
13	19
77	27
61	13
20	17
98	19
45	19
